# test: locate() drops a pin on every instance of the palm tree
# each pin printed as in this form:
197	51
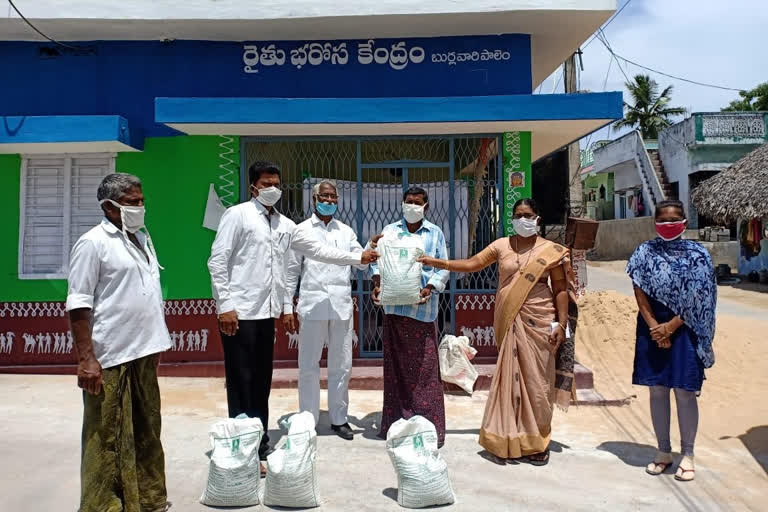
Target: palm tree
650	112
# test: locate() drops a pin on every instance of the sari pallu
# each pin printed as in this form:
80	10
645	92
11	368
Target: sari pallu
531	375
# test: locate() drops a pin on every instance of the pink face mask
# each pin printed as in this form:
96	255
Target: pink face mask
671	230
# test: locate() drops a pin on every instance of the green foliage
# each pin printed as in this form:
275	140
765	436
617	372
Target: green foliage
751	101
650	112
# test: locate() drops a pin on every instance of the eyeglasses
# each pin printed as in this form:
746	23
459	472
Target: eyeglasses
328	196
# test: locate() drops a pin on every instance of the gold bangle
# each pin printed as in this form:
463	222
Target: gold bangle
447	265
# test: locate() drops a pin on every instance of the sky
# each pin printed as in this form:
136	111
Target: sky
721	42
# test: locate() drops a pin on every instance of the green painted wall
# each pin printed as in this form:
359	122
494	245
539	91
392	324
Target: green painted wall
597	208
176	172
594	182
720	154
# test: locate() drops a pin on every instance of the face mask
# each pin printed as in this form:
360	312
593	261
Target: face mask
326	209
525	227
413	213
132	217
669	231
269	196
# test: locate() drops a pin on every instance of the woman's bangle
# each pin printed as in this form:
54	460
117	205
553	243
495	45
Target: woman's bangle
447	265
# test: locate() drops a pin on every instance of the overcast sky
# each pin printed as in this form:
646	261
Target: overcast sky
722	42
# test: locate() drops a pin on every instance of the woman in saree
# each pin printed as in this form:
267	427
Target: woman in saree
676	294
535	363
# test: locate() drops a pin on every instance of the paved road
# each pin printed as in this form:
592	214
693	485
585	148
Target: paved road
597	462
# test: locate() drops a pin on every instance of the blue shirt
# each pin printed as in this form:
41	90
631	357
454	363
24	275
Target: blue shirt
434	246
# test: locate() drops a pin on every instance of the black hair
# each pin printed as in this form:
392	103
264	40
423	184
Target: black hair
526	201
259	168
670	203
416	191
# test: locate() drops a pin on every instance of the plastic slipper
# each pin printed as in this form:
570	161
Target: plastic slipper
661	462
685	470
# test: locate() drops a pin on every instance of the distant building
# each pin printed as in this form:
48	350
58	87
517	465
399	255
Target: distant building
686	154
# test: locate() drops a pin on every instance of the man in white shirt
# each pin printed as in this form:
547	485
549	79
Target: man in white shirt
324	309
247	267
115	307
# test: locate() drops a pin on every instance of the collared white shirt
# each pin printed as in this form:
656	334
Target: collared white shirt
247	263
248	259
109	275
326	292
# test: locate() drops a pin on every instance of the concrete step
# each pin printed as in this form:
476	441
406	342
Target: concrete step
373	378
363	377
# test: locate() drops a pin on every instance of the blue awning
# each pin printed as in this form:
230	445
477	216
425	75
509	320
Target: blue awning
67	134
554	119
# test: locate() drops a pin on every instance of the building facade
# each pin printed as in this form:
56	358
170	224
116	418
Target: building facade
686	154
378	96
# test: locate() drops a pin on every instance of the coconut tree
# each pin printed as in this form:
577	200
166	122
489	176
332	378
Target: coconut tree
651	111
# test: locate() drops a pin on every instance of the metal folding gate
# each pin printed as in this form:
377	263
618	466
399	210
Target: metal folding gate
460	174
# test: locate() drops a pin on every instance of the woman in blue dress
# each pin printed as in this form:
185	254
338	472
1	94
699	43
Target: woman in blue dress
676	294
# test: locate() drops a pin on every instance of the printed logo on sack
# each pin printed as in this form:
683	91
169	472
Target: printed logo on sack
403	254
418	442
235	445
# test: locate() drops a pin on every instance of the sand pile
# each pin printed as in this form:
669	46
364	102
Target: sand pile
733	396
601	308
605	339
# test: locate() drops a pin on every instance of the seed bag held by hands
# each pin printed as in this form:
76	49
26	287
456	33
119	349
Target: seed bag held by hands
400	272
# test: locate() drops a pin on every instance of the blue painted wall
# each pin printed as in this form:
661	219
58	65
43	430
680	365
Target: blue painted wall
124	77
522	107
31	129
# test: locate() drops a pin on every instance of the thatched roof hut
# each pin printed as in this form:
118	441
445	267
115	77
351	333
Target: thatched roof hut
739	192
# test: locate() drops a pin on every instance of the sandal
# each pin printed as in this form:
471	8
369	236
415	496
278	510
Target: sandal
263	470
661	462
538	459
685	470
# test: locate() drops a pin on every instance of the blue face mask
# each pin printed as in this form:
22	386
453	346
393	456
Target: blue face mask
326	209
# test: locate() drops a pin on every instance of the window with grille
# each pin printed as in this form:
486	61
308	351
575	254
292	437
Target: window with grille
58	205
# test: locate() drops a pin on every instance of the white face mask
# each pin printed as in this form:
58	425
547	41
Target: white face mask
525	227
413	213
132	217
268	196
